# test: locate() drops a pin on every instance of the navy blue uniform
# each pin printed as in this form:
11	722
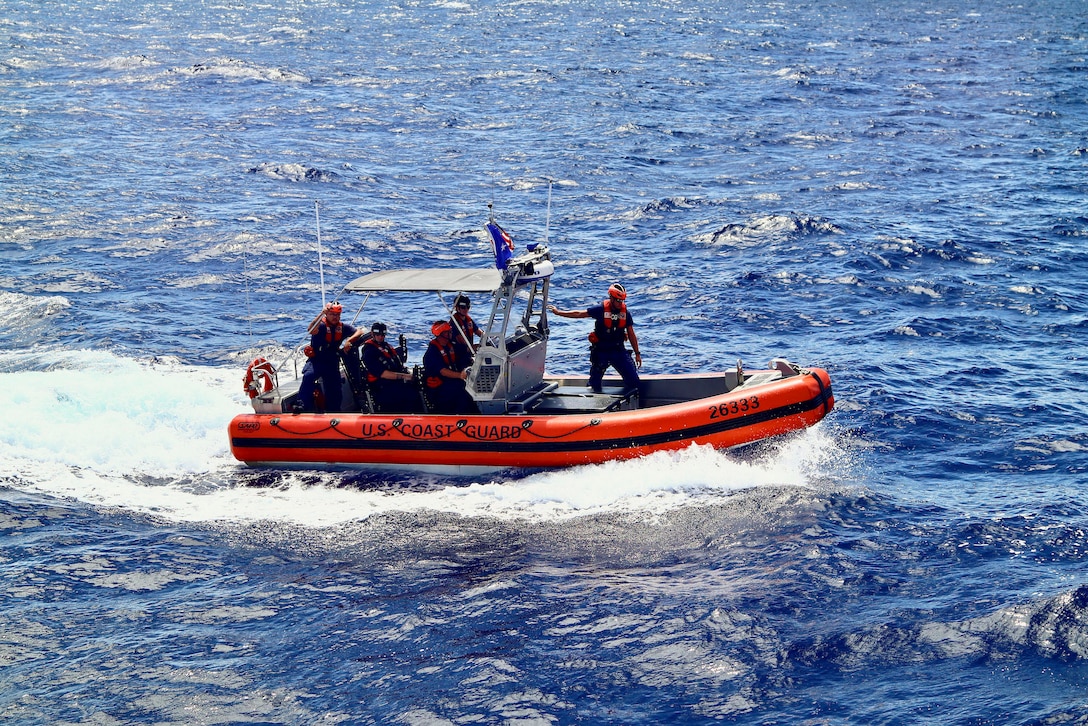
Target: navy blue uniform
447	395
390	395
325	365
609	348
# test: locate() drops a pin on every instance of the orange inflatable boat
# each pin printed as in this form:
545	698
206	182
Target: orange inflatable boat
567	425
526	419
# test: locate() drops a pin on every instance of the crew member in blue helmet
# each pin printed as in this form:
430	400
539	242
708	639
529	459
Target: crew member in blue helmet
614	326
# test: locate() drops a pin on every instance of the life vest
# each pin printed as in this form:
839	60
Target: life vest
329	335
333	335
391	362
467	325
449	358
615	316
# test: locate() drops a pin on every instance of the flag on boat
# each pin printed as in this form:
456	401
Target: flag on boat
502	244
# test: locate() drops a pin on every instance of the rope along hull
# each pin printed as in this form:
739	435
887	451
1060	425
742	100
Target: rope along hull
738	417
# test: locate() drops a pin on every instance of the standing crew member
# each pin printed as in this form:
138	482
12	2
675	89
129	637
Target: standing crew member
328	337
614	327
445	373
388	378
465	344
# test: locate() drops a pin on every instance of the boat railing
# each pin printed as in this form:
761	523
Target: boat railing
759	378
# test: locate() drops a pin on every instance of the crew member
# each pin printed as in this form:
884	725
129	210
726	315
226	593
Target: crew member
462	321
388	378
614	326
445	373
328	338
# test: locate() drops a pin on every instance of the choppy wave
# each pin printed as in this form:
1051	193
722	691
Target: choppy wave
236	69
1055	628
768	229
295	173
894	193
24	317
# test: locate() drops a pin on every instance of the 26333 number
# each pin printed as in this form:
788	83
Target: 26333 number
733	408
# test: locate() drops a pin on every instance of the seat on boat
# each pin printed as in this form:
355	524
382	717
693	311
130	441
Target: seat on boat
356	377
363	390
759	378
421	385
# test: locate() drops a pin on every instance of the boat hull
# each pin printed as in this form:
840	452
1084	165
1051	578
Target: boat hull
528	440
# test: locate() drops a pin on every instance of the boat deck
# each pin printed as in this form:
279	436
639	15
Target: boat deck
570	395
557	399
547	398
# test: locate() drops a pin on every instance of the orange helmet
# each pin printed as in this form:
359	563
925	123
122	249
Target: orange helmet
334	307
617	291
439	327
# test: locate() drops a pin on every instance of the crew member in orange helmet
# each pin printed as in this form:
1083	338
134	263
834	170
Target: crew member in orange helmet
614	326
328	337
444	371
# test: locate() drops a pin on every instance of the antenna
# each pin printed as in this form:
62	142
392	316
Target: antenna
245	273
320	259
548	215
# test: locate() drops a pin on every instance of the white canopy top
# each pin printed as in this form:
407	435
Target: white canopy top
433	279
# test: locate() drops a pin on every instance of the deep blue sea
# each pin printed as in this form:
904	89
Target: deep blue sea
894	190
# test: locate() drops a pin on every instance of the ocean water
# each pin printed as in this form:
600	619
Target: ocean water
895	191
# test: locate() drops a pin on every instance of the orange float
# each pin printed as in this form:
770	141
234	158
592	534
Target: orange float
260	377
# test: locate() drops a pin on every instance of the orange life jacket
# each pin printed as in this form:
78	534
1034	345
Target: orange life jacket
615	314
449	357
465	321
393	360
618	318
329	332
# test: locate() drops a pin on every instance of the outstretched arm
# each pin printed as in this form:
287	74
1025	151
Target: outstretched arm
567	313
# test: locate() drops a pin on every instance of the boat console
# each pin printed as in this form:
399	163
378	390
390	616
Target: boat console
509	365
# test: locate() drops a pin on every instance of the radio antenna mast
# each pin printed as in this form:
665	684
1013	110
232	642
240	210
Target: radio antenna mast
548	215
320	258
